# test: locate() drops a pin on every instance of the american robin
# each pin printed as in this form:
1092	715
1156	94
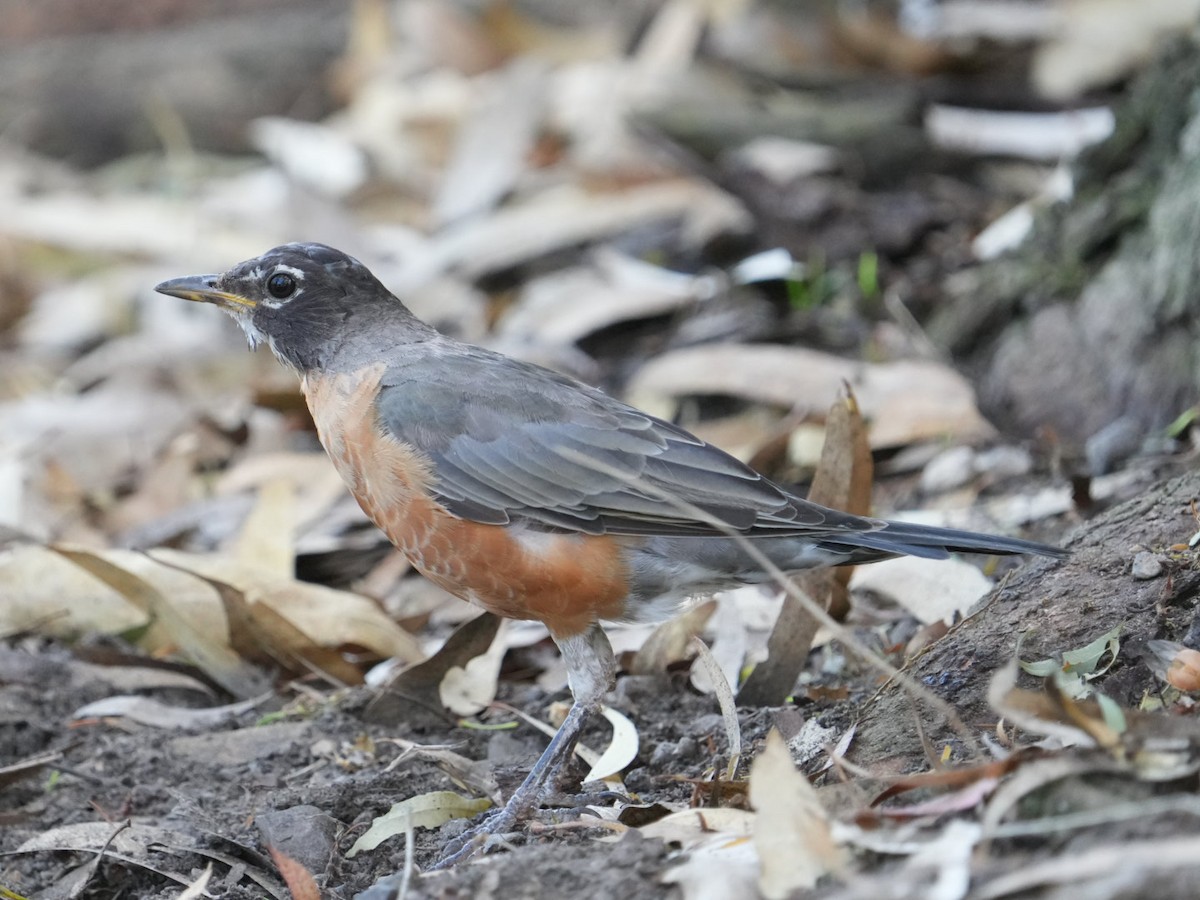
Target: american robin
524	491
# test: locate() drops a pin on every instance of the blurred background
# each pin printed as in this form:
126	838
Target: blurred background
979	214
621	191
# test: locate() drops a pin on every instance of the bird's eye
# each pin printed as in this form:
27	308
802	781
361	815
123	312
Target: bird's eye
280	285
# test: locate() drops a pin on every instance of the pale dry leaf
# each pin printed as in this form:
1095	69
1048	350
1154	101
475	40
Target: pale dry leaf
903	402
137	678
193	599
265	542
166	485
134	840
305	472
521	30
1002	21
567	305
565	216
317	156
728	644
621	750
467	689
716	868
199	887
261	634
97	437
1032	711
689	827
782	161
1112	862
670	43
591	103
724	692
949	856
1100	41
13	475
491	151
791	829
1046	137
330	618
430	810
450	37
130	843
81	312
932	590
476	776
47	594
135	225
670	642
207	649
147	711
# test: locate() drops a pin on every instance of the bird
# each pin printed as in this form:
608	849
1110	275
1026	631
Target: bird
526	492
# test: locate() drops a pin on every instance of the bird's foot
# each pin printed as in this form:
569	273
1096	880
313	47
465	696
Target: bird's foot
488	834
497	825
581	801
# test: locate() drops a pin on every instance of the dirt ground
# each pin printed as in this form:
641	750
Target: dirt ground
311	773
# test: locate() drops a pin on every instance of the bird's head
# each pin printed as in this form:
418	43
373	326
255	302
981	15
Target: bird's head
304	300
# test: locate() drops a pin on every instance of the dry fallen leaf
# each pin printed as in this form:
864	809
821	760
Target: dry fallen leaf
688	827
207	649
728	647
266	539
670	642
430	810
903	402
1099	41
932	590
328	617
716	867
147	711
724	693
621	750
298	879
791	829
468	688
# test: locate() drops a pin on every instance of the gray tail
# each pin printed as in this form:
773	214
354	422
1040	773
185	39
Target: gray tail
904	538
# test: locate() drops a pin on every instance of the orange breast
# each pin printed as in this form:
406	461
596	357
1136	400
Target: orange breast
566	581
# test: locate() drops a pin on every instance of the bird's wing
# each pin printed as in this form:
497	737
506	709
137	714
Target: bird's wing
512	442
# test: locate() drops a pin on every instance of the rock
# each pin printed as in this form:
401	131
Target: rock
1146	566
304	833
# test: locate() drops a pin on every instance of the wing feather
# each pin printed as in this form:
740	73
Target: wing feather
530	446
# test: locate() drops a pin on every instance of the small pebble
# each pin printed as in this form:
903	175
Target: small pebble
1146	566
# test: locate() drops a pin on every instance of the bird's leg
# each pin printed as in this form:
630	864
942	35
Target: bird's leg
591	670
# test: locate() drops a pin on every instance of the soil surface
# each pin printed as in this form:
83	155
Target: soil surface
310	775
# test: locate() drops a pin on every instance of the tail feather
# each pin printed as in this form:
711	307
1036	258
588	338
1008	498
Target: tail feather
906	538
